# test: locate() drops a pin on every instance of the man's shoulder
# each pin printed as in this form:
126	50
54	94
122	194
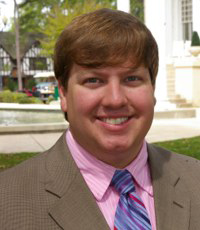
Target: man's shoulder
28	170
180	163
166	153
23	193
32	168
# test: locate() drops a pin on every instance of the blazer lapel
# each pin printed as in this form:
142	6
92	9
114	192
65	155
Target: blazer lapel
75	206
172	203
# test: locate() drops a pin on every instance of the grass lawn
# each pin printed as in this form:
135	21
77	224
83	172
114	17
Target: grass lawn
189	146
9	160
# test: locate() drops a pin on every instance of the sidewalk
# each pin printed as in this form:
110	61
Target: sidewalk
161	130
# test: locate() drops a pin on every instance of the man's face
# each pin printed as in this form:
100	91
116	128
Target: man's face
110	110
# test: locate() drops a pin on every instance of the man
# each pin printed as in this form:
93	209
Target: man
106	64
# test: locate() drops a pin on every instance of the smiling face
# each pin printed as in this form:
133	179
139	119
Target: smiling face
110	110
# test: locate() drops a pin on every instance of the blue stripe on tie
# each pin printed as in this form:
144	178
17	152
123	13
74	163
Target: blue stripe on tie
131	213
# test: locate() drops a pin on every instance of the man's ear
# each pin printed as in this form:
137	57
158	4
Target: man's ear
155	100
63	97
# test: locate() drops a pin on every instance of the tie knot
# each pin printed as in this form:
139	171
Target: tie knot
122	181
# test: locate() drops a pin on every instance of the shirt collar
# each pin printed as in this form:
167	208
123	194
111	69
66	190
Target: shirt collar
139	168
98	174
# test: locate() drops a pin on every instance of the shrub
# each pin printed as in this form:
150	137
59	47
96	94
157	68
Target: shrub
29	100
11	85
195	39
50	98
6	96
25	100
30	84
18	96
13	97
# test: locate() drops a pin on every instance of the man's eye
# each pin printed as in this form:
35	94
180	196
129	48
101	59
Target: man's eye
93	80
132	78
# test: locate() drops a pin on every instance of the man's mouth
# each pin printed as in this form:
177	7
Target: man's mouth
115	121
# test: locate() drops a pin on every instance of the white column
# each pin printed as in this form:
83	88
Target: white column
196	18
158	20
123	5
176	20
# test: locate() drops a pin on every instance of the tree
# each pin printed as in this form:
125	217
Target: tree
16	21
195	39
137	8
59	17
34	14
51	16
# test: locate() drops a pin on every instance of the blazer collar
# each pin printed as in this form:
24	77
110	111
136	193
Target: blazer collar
172	203
75	206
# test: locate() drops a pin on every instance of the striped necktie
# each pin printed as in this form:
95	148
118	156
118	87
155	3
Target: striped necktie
131	213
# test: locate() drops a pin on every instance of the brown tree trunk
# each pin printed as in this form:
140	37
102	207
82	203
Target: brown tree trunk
16	21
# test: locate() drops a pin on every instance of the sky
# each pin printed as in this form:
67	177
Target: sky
7	10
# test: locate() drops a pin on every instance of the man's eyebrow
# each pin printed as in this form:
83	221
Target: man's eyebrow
134	69
84	73
131	69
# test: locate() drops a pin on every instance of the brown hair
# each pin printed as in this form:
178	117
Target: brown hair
105	37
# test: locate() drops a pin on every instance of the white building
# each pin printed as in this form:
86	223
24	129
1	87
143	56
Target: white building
172	23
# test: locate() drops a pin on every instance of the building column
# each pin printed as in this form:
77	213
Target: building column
196	21
158	18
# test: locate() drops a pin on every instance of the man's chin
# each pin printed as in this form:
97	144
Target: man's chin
116	148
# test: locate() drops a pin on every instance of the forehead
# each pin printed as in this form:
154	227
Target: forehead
127	66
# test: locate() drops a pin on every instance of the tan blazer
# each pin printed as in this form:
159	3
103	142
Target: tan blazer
48	192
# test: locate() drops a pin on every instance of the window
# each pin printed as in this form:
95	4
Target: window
187	19
39	63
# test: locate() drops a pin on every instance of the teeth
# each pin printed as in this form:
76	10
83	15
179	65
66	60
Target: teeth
115	121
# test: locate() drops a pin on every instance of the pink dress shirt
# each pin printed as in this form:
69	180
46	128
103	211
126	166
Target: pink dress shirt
98	176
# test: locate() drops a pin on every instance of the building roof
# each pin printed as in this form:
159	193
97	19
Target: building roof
7	41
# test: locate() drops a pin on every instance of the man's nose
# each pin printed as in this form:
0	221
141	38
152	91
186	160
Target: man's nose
114	95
